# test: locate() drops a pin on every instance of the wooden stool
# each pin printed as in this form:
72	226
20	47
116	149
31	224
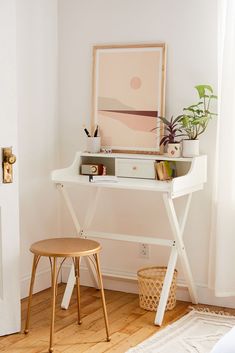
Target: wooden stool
65	247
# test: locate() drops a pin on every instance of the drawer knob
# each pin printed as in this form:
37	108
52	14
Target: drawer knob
134	168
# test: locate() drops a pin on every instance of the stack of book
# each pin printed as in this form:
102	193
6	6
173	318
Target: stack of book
165	170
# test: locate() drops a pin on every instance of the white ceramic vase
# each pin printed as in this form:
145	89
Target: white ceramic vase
190	148
174	149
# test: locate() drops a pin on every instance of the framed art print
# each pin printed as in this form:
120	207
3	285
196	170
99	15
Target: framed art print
128	95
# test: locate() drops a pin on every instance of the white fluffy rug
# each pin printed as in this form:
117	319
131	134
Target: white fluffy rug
196	332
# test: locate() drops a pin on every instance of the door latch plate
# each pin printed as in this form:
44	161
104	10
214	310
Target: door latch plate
8	159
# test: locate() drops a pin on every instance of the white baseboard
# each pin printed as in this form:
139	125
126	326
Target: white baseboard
127	282
122	281
42	281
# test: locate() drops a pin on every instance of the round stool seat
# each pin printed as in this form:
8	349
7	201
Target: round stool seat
65	247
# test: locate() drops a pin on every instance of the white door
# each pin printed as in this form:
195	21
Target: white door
9	218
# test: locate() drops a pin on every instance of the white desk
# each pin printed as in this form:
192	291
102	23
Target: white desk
191	177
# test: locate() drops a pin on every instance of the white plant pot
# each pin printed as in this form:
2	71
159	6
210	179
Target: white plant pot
174	149
190	148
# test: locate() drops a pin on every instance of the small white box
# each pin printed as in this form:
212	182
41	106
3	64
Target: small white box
135	168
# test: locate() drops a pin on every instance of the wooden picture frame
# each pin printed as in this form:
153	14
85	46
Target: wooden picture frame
128	95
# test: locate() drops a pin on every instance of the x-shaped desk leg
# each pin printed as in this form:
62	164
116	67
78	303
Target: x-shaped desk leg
89	216
178	249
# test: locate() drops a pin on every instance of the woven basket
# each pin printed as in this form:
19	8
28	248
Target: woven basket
150	280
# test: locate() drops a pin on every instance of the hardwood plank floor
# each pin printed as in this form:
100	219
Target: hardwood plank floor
129	325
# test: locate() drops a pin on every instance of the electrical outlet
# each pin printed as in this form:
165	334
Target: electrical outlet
144	251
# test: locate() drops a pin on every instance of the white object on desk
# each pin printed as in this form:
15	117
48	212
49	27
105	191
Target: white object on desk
191	177
93	144
104	179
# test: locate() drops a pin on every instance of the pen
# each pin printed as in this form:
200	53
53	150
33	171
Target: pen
96	132
87	132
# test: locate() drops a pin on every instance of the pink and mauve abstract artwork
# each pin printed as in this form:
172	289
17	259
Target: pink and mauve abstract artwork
128	97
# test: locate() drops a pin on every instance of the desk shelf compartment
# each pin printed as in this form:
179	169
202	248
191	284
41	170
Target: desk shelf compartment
191	173
109	163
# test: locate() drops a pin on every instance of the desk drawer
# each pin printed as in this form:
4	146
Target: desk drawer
135	168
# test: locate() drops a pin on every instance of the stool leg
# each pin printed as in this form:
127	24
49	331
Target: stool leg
96	256
77	274
53	288
34	267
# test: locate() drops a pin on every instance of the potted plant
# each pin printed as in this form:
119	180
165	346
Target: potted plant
195	120
171	135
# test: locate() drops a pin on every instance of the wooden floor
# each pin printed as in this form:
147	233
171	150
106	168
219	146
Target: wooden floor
129	325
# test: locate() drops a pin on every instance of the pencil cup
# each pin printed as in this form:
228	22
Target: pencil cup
93	144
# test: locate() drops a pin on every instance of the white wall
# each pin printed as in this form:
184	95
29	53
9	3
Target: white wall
38	129
189	28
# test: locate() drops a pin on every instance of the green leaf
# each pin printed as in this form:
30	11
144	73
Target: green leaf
164	120
185	121
195	105
201	89
178	118
204	119
199	111
190	109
